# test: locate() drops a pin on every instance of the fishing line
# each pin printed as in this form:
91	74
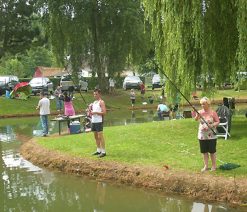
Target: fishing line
189	102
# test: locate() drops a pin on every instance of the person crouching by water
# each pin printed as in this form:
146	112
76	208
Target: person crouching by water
206	133
98	112
161	110
44	111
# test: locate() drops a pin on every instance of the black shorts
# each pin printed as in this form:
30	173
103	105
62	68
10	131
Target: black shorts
133	101
97	127
208	146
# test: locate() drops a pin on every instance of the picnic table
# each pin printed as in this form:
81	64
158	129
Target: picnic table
67	119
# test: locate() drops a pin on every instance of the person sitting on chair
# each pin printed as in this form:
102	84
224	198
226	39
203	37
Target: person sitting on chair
161	109
224	114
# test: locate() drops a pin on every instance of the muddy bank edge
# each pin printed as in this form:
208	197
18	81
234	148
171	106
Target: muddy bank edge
195	185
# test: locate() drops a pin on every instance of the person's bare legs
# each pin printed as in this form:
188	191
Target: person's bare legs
205	160
97	140
213	159
101	141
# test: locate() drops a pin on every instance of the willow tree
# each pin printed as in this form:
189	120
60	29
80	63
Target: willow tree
103	32
17	31
242	29
197	38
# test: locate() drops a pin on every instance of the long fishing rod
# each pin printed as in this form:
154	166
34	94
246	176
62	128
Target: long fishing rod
189	102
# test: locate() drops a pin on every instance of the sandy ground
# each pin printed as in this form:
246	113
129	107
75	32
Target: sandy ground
202	186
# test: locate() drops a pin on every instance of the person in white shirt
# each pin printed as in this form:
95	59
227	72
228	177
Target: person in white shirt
111	85
44	111
98	111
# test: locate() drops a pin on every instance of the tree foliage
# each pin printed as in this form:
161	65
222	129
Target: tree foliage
197	38
23	64
242	29
16	32
107	33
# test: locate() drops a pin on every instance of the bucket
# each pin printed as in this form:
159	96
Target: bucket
75	127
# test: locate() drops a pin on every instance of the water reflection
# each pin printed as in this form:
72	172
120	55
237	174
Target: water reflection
8	134
25	187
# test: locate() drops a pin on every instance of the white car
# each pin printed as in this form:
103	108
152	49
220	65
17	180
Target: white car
6	82
67	82
157	81
39	84
131	82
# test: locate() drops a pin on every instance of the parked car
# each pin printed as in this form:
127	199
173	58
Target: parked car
7	82
66	82
157	81
39	84
131	82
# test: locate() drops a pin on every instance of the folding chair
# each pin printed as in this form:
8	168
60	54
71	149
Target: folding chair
222	129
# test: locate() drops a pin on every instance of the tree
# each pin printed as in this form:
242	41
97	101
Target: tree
36	56
12	67
104	32
23	65
242	29
16	32
194	38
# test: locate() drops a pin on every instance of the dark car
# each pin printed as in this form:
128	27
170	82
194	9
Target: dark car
39	84
131	82
8	82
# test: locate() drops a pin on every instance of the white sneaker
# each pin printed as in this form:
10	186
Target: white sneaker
204	169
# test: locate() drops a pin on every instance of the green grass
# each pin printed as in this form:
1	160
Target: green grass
173	143
118	100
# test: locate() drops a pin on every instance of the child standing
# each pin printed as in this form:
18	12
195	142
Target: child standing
132	97
68	107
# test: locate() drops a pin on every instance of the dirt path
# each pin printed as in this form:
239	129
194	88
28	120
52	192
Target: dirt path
195	185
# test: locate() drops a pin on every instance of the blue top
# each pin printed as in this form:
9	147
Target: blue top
163	108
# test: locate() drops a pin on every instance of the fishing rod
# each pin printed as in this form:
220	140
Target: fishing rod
189	102
72	79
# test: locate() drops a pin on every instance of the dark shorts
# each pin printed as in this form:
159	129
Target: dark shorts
208	146
133	101
97	127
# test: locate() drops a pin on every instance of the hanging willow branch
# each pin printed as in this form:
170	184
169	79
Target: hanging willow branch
197	38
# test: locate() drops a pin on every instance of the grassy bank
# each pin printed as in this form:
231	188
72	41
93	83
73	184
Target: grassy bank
170	143
113	101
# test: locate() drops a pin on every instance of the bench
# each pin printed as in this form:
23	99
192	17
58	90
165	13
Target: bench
67	119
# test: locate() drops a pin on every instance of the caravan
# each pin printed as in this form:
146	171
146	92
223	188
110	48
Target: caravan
67	82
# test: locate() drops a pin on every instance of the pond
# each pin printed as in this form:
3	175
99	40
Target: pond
26	187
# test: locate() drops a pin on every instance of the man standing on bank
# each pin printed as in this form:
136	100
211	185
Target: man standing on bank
44	111
98	112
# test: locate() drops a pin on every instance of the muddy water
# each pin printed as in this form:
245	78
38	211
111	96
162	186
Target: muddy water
25	187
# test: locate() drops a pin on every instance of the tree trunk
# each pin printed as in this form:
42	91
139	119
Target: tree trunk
98	64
